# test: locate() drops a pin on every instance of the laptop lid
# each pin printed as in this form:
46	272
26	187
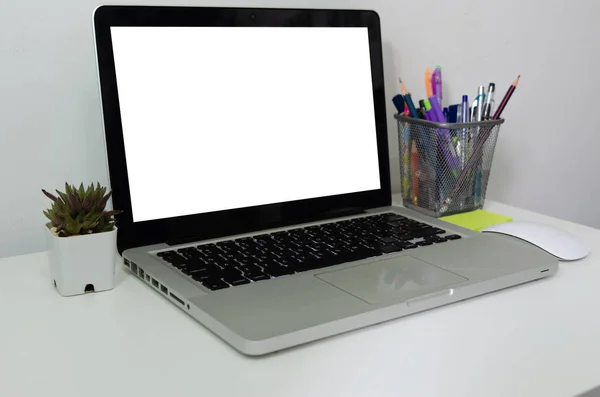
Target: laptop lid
221	121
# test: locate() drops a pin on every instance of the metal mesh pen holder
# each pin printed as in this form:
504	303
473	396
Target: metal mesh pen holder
445	167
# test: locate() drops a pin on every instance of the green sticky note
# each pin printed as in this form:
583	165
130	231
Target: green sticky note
476	220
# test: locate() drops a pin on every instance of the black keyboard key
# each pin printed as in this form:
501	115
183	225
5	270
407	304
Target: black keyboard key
229	263
424	243
236	281
183	251
230	272
176	260
227	245
258	277
250	269
289	262
214	284
453	237
189	270
276	235
386	249
388	240
393	217
411	246
278	271
436	239
263	239
429	231
313	265
200	276
247	260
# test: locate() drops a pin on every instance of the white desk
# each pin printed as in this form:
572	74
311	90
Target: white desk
541	339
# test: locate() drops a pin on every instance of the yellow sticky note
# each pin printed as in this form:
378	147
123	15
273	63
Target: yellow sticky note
476	220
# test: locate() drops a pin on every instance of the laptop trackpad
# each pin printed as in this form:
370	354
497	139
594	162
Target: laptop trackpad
391	280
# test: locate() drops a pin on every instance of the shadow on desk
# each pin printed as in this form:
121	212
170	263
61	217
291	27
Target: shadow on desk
592	393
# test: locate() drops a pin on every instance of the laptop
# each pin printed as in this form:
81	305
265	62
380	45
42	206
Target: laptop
248	149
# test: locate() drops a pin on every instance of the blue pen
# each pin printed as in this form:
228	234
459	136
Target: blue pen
465	132
398	101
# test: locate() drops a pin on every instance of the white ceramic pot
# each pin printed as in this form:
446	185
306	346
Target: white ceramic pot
80	264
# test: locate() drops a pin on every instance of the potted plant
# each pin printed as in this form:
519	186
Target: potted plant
82	240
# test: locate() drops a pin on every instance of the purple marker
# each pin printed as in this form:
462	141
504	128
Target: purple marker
448	146
436	84
430	115
437	109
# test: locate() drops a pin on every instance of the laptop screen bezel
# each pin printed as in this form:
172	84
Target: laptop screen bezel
243	220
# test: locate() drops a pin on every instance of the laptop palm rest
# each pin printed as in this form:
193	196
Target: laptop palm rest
391	280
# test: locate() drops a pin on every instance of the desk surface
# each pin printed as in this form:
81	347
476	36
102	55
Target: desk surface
539	339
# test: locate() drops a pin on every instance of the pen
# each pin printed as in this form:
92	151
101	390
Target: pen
464	133
454	113
506	98
480	105
480	101
398	101
489	101
446	113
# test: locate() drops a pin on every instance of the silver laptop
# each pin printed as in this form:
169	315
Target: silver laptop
249	151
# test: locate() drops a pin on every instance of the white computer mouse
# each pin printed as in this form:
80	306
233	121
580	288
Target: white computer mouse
555	241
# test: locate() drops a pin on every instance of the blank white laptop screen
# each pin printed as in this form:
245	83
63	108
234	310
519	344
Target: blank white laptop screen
217	118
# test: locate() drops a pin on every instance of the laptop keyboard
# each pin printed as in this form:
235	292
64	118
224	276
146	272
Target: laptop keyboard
241	261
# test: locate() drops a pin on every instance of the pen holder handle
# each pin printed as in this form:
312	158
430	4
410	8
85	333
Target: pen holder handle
445	167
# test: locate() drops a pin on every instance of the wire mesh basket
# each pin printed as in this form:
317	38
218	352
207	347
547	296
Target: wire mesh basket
445	167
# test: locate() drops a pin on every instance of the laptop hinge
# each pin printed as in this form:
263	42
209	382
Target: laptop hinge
341	213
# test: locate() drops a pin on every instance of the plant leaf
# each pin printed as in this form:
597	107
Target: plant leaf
50	196
72	227
74	204
108	214
51	218
63	197
103	202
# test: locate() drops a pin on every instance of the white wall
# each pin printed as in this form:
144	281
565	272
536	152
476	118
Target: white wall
50	125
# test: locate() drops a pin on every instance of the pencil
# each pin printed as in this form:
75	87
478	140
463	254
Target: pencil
506	98
415	180
405	177
404	90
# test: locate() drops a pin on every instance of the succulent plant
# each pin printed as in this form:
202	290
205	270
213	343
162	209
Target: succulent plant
78	211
